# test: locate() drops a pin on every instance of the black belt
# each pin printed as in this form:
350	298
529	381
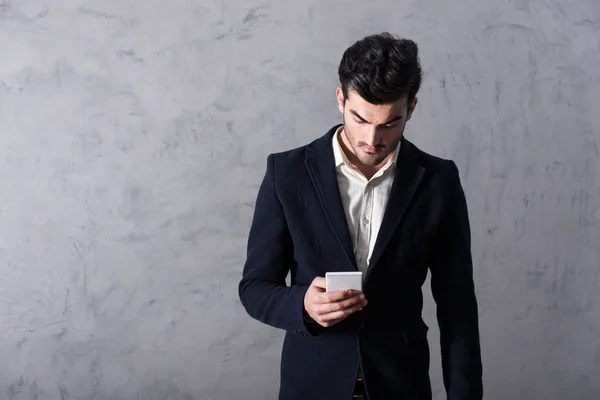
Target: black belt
359	389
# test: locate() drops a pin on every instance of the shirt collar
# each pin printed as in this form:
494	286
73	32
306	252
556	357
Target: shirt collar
341	159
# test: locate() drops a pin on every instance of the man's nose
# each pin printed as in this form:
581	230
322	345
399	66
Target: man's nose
373	136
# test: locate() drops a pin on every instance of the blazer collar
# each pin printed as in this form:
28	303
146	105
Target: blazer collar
320	163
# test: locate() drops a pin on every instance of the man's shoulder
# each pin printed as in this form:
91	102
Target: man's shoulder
427	160
295	154
298	154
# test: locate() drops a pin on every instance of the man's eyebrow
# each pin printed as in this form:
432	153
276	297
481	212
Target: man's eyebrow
391	121
358	116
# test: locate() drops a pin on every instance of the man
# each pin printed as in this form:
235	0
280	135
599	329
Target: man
362	197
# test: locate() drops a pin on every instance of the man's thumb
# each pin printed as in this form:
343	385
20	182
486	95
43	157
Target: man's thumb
319	282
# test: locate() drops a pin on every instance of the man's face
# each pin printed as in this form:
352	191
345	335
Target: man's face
372	132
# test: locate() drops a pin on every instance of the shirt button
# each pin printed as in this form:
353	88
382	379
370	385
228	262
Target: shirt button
365	221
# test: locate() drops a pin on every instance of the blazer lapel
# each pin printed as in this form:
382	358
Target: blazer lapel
407	177
321	167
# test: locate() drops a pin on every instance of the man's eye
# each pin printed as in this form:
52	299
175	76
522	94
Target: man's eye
391	126
359	121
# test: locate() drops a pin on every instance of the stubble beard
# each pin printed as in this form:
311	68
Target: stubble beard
371	160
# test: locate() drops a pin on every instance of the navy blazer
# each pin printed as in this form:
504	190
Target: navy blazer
299	227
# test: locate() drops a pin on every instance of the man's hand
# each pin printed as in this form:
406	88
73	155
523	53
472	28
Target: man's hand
329	308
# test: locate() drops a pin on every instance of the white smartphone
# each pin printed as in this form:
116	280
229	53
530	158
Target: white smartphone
343	280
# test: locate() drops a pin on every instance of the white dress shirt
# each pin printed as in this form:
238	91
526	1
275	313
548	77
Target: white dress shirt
364	200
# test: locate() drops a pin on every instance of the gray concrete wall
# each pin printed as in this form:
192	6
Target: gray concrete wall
133	137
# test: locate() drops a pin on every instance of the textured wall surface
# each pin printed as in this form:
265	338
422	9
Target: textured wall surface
133	137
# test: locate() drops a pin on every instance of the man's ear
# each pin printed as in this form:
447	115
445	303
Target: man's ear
339	94
412	107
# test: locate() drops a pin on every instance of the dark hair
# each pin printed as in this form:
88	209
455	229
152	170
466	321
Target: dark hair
381	68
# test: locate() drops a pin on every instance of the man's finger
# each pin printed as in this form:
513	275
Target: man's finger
319	282
338	295
337	316
351	303
340	305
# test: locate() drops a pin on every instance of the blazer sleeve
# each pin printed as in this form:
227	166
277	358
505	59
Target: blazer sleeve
262	289
454	293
